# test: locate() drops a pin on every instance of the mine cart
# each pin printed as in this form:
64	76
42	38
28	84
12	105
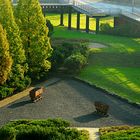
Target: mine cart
35	94
101	108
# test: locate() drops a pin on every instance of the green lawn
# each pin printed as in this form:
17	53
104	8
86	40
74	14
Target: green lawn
115	68
55	20
114	43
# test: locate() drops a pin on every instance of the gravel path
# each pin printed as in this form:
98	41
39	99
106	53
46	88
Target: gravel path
96	45
73	101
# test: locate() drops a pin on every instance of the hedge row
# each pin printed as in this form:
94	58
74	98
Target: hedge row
120	133
69	54
122	30
51	129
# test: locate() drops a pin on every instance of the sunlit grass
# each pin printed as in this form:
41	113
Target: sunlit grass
55	20
114	43
124	82
115	68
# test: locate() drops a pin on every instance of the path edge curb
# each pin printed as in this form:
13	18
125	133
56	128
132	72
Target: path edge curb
107	92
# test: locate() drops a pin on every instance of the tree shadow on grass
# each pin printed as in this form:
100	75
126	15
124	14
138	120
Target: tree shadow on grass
20	104
88	117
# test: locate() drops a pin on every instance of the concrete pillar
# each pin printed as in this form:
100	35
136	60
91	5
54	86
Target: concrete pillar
87	24
78	20
69	19
116	22
61	18
97	24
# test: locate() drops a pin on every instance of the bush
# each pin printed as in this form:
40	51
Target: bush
42	123
105	28
51	129
7	133
75	63
120	133
39	133
122	30
5	91
64	49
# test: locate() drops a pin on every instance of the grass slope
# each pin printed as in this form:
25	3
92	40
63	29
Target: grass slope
115	68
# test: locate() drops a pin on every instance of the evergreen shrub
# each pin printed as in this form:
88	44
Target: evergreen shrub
51	129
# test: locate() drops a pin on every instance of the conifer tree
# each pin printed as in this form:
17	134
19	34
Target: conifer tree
5	59
34	34
17	78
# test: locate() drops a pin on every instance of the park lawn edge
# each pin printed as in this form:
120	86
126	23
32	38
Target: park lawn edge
106	91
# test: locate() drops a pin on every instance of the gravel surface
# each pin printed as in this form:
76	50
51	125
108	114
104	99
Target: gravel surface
73	101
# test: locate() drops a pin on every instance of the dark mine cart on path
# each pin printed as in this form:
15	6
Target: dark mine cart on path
36	93
101	108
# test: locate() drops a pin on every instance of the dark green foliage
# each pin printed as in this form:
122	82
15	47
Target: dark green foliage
5	58
5	91
65	48
122	30
43	123
7	133
105	28
40	133
120	133
50	27
19	67
75	63
51	129
34	34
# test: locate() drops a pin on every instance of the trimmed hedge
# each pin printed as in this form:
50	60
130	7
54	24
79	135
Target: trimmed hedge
122	30
75	63
120	133
63	49
51	129
5	92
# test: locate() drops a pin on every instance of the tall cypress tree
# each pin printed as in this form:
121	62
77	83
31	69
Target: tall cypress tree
34	34
17	78
5	59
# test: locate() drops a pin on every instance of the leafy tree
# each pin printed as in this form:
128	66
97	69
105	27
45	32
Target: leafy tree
17	78
5	59
34	34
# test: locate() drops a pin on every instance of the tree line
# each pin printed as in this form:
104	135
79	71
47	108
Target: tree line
24	45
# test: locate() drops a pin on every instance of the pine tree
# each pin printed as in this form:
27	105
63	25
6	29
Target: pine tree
5	59
34	34
17	78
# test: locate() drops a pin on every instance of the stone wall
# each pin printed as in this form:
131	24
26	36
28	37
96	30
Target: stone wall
130	24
